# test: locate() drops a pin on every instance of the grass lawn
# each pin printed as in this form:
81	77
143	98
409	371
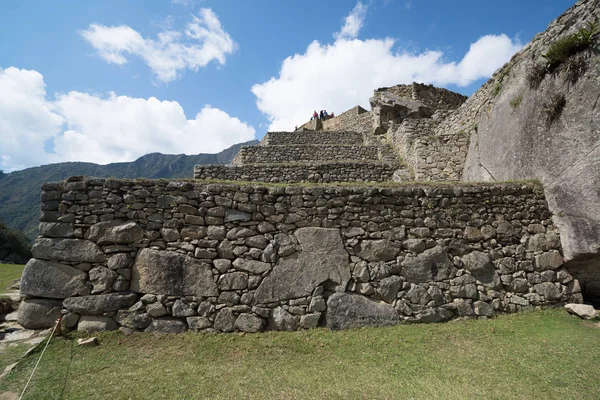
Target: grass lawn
536	355
8	273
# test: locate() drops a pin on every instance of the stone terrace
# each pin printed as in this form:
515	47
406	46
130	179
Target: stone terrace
310	156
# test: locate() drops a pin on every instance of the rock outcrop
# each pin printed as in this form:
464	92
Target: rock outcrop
517	136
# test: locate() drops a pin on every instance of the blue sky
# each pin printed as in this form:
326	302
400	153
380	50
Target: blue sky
106	81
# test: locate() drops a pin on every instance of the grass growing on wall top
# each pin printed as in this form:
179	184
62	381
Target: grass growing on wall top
534	355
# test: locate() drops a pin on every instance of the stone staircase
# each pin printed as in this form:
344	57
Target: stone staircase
317	157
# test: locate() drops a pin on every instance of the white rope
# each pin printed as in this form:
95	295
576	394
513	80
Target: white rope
39	359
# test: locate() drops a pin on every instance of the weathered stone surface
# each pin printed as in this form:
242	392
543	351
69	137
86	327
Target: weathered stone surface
351	311
281	320
235	215
56	229
156	310
115	231
171	273
225	320
133	319
233	281
480	266
96	323
52	280
482	308
38	313
69	321
250	323
102	279
389	287
432	315
310	321
99	304
548	290
197	324
431	265
167	325
119	261
549	260
322	259
252	266
584	311
183	309
76	250
377	250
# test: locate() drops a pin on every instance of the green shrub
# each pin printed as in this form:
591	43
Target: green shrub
554	107
14	245
567	46
561	51
516	101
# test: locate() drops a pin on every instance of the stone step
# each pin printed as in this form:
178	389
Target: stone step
305	153
307	137
305	172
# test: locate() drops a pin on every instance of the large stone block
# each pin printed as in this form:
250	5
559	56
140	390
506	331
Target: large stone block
323	259
96	323
480	266
52	280
431	265
352	311
76	250
171	273
115	231
56	229
377	250
99	304
38	313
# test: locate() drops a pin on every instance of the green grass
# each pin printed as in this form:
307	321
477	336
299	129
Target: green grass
11	355
536	355
8	273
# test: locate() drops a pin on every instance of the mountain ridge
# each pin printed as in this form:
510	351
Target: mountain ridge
20	190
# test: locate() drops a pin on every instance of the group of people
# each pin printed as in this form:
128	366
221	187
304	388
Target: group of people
322	115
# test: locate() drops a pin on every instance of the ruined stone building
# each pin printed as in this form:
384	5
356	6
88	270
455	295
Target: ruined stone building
427	207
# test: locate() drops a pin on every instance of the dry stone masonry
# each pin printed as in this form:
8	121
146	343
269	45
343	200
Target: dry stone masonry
311	156
171	256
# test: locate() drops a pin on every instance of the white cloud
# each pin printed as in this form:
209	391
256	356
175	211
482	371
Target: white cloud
84	127
26	120
341	75
353	22
200	42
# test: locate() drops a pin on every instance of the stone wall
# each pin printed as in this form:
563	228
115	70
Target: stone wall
307	137
431	157
433	97
167	256
294	173
356	119
305	153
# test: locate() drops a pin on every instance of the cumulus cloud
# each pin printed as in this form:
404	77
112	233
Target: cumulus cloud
201	41
78	126
353	22
343	74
